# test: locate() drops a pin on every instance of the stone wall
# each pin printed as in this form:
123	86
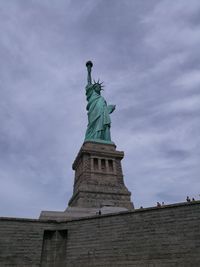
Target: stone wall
21	242
166	236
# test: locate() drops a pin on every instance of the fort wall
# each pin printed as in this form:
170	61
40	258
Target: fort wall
166	236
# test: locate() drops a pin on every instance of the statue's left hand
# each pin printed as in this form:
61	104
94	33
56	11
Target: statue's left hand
111	108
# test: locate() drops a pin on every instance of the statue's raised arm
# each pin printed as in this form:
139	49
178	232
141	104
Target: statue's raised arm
99	123
89	69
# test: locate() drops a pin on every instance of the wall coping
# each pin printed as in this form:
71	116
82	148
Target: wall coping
140	210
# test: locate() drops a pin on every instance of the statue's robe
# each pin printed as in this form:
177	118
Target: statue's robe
98	116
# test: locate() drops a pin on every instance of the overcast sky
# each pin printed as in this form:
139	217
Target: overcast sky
147	54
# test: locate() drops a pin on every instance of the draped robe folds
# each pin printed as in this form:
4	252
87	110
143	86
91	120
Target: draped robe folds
98	116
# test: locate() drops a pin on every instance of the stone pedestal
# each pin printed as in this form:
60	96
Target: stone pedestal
98	178
98	185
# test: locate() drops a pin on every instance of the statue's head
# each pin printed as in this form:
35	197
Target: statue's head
98	87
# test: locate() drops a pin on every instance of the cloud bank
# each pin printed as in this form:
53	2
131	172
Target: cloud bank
146	52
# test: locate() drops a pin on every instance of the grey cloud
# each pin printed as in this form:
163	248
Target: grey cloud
144	51
175	154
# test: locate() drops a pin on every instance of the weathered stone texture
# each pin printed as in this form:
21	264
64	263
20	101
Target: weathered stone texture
156	237
98	178
21	242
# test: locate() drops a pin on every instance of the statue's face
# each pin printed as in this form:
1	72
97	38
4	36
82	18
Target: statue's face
97	88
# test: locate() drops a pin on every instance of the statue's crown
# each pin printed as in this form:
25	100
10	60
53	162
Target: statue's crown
98	83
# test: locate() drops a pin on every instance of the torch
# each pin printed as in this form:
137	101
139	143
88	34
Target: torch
89	69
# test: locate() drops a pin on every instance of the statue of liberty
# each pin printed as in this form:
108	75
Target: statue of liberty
99	122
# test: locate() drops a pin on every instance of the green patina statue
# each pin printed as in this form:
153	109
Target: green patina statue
98	129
